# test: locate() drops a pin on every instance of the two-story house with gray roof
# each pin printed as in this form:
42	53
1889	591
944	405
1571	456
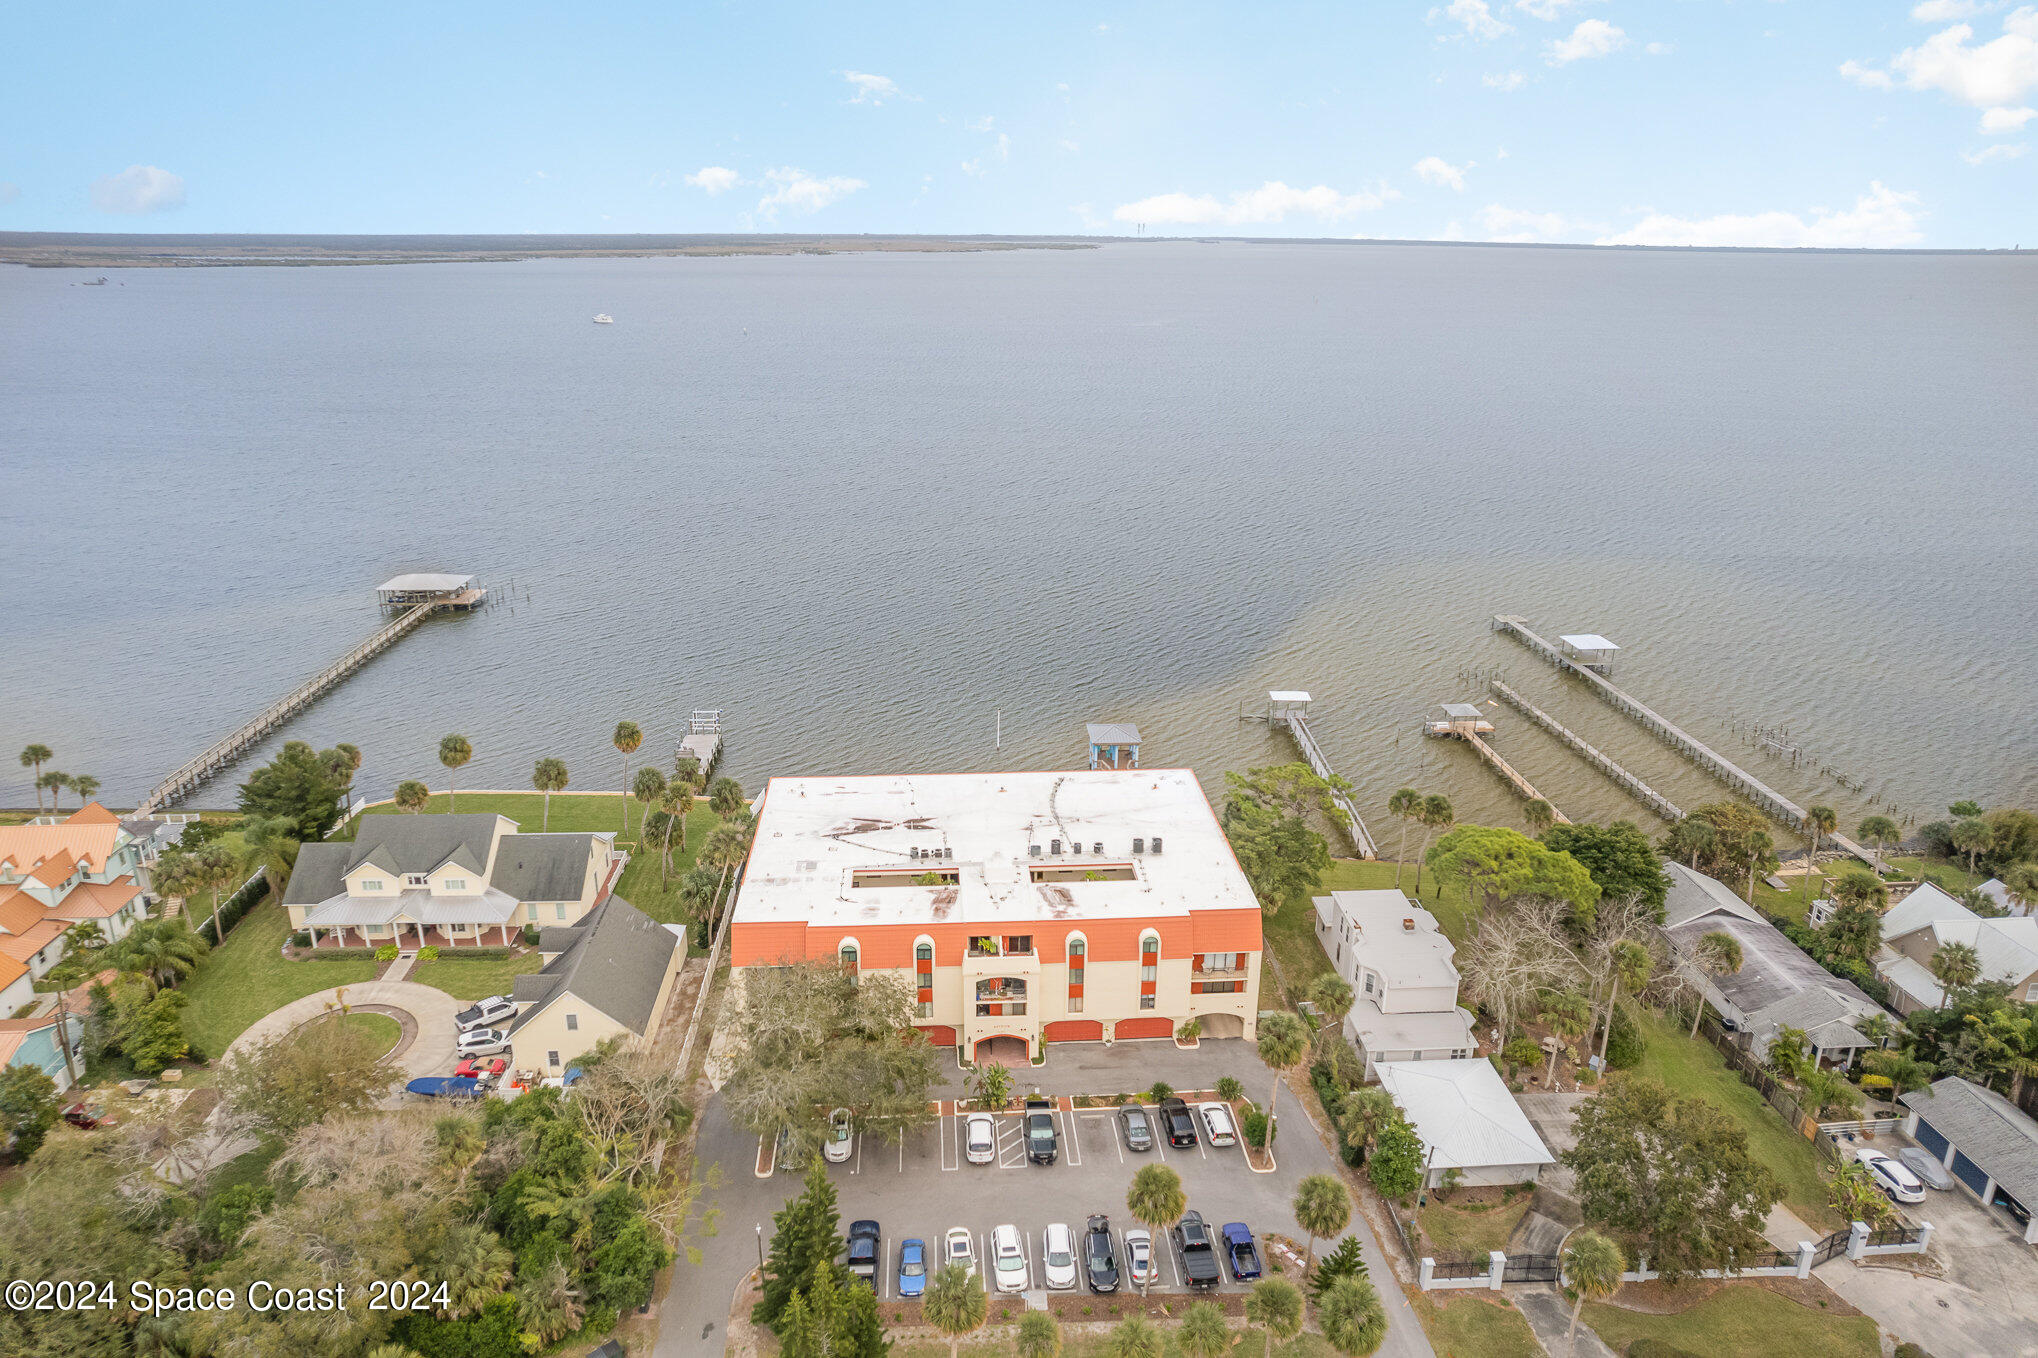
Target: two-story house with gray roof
448	880
610	975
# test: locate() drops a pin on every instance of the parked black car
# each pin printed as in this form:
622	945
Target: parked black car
1200	1268
1100	1261
1040	1143
1175	1117
864	1251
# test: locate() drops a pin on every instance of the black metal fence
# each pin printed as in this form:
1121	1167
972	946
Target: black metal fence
1461	1268
1532	1268
1895	1235
1832	1247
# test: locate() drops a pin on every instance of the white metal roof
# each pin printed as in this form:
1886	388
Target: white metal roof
426	583
1113	733
814	834
1288	695
1587	641
1462	1109
1421	956
1463	711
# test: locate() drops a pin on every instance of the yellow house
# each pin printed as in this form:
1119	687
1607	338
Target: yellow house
609	975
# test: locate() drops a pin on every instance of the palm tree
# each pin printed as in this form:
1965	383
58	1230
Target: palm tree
215	866
725	798
548	1304
1275	1305
1203	1333
1323	1207
549	776
648	789
1156	1201
157	952
727	845
1971	836
272	847
678	800
453	752
475	1267
1351	1317
87	787
1761	849
1333	997
1592	1265
1403	806
34	757
1692	839
1718	954
1539	814
1880	831
2020	884
954	1304
1436	814
627	738
56	782
1955	966
1039	1336
412	795
1361	1114
1283	1043
1133	1337
1820	820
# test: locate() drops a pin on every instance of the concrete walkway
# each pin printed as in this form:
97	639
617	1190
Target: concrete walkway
1549	1315
431	1009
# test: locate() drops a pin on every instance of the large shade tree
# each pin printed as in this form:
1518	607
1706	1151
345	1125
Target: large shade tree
1499	865
304	786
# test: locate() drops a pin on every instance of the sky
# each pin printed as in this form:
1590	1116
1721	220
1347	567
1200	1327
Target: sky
1843	123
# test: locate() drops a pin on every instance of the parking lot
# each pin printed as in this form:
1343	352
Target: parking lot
925	1185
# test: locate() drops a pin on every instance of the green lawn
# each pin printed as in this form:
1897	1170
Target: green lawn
1741	1321
1470	1326
380	1029
246	977
571	811
1952	874
474	978
1291	931
1473	1228
1690	1066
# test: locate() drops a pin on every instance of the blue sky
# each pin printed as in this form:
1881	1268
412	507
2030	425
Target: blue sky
1762	122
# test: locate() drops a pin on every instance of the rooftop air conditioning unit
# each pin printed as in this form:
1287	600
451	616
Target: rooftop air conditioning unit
1138	844
1054	847
1033	851
1155	845
1098	849
916	853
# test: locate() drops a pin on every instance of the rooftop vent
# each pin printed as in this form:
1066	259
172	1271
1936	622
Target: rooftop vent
916	853
1155	845
1054	847
1098	848
1033	851
1138	844
1408	924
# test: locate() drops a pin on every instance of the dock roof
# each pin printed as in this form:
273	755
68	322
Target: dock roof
1113	733
1587	641
1463	711
425	582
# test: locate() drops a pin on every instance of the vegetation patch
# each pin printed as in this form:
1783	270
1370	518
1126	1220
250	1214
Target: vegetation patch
1741	1321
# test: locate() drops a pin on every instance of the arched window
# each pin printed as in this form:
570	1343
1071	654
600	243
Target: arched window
923	977
1149	969
1079	956
850	955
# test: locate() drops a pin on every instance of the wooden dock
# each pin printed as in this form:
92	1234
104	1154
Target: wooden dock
1463	731
225	751
1634	786
1733	775
1355	828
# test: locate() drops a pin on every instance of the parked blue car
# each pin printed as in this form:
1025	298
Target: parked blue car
912	1268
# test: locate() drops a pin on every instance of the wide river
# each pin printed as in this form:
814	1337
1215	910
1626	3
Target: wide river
861	502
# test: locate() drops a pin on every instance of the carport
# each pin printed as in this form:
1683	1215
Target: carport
1987	1142
1221	1025
1003	1051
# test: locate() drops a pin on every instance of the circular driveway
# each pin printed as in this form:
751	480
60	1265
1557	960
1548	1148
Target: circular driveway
429	1008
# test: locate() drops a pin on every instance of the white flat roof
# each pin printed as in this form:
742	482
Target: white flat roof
1423	1030
426	583
814	834
1421	956
1288	695
1587	641
1463	1109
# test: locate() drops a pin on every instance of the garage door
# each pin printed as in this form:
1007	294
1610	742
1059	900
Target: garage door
1145	1027
1969	1173
1076	1030
941	1035
1929	1138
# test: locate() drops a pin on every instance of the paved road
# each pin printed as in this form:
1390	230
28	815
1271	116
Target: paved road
922	1187
430	1008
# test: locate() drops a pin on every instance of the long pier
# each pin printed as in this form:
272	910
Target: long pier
1694	749
1634	786
1355	828
1464	732
224	751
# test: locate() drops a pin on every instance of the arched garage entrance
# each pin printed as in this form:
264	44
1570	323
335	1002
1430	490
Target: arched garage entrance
1222	1025
1003	1051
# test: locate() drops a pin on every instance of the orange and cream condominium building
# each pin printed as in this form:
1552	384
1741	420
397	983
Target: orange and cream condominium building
1024	908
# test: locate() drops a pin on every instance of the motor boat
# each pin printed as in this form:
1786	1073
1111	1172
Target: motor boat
604	319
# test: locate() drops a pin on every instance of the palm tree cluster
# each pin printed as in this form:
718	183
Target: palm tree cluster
1432	811
34	756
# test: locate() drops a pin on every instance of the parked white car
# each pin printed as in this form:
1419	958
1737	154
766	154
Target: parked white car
1217	1124
980	1139
1008	1260
1058	1252
1139	1266
1891	1175
482	1042
960	1248
841	1137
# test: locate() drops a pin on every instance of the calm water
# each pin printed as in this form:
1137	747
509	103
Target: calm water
862	501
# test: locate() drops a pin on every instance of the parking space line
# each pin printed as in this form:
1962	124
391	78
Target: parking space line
1068	1129
1029	1262
951	1140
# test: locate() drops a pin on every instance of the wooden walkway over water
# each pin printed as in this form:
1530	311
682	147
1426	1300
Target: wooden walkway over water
231	747
1733	775
1355	828
1634	786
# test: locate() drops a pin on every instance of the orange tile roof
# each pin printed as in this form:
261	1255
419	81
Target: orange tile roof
18	909
88	842
11	971
33	939
96	900
92	814
56	869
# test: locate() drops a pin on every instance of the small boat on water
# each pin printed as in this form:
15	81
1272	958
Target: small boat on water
605	319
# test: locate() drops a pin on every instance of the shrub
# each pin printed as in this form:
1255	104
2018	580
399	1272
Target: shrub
430	953
387	952
1877	1084
301	939
1624	1045
1910	1350
1229	1089
530	935
1587	1075
1190	1031
1161	1090
1258	1131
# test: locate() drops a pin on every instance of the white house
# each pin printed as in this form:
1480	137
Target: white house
1466	1120
1404	980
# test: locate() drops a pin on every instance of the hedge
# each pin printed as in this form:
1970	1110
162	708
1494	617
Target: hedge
232	910
445	954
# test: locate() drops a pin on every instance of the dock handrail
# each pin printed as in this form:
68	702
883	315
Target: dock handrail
1635	787
1354	827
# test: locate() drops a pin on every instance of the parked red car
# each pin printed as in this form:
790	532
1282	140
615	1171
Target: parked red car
87	1115
474	1066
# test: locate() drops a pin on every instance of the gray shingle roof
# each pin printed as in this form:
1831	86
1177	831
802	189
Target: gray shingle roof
421	843
614	961
543	867
318	874
1988	1129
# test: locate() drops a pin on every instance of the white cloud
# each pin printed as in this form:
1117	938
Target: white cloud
1499	223
983	124
873	89
1004	147
802	192
714	179
1477	18
1987	75
138	188
9	192
1592	38
1507	82
2001	122
1071	145
1660	49
1440	173
1941	11
1880	218
1866	76
1270	202
2002	150
1549	11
